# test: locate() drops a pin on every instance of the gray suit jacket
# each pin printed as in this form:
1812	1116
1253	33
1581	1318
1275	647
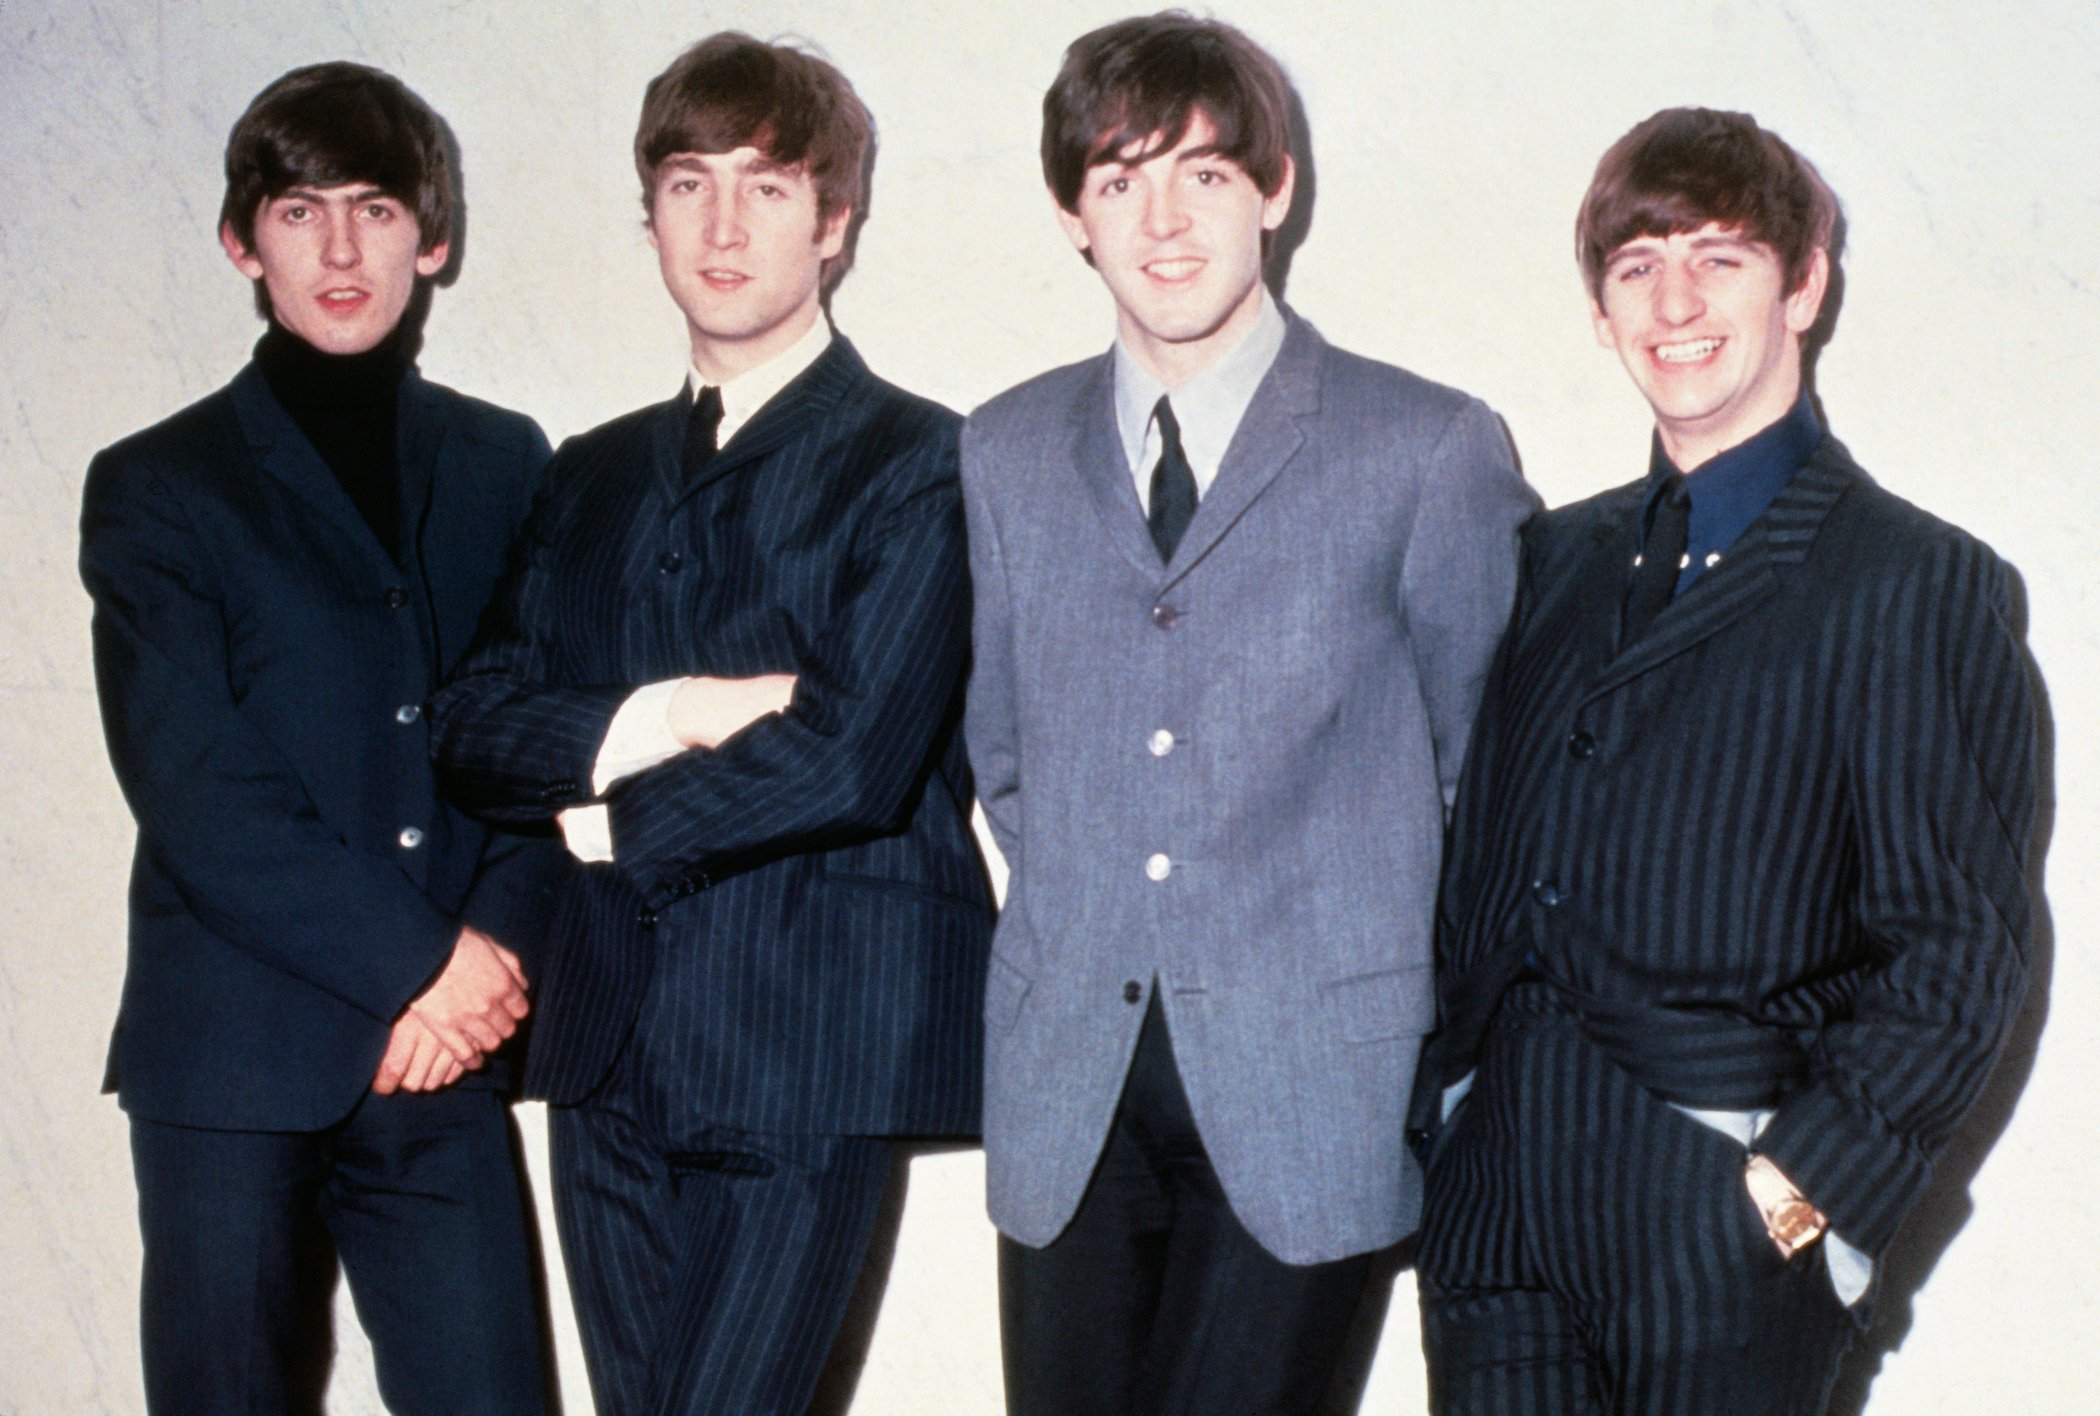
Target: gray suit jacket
1314	652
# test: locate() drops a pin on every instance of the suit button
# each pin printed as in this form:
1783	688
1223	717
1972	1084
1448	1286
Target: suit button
669	561
407	713
1133	991
1160	743
410	837
1581	745
1157	866
1165	616
1545	892
646	919
396	597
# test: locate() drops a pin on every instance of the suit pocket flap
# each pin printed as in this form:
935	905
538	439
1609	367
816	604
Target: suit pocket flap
1004	989
1374	1007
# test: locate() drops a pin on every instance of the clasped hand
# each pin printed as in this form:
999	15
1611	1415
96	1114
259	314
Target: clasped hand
465	1014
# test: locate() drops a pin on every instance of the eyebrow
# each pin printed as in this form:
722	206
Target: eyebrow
313	196
697	162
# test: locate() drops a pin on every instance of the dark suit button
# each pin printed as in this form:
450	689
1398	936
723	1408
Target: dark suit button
669	561
1545	892
558	791
1581	745
396	597
646	919
1165	616
407	713
1133	991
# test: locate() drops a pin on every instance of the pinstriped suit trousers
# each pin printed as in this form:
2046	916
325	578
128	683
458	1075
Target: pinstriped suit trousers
1587	1249
711	1267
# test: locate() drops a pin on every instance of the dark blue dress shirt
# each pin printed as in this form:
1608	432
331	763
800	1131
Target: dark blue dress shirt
1730	490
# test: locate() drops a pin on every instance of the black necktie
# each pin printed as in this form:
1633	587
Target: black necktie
1662	555
701	428
1173	485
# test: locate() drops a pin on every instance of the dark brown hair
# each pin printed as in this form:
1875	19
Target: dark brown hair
731	91
1142	80
327	125
1685	167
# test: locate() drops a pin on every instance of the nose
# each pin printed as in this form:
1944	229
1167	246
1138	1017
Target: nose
1677	297
1164	214
725	221
339	250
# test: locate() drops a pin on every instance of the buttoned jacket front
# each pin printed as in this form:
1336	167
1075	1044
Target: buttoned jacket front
1228	773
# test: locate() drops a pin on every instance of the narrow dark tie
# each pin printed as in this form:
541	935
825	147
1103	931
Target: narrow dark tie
1173	485
1662	554
701	428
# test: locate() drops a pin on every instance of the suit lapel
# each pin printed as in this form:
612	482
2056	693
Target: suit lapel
1746	577
285	454
1097	454
1268	437
796	410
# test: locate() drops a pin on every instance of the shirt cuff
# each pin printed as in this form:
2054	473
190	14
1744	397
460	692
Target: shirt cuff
638	738
587	832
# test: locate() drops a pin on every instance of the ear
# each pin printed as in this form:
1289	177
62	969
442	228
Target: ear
831	234
1601	322
244	260
1075	229
1806	302
1276	206
432	261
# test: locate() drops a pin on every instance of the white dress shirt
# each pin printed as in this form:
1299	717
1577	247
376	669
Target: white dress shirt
1208	408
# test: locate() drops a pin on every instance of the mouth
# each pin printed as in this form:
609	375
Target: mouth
1174	270
1688	351
344	300
724	280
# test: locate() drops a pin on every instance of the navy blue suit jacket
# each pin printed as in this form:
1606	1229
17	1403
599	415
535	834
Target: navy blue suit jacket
813	880
262	665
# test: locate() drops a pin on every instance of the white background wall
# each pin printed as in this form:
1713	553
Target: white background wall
1450	146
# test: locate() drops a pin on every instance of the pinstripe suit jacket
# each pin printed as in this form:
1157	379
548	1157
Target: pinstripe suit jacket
1314	651
1772	851
811	887
261	663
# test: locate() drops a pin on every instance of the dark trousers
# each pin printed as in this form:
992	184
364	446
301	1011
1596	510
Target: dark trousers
420	1196
1588	1249
1155	1299
710	1267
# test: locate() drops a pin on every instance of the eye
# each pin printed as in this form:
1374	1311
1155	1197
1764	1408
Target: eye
1210	177
379	211
297	211
1115	186
768	189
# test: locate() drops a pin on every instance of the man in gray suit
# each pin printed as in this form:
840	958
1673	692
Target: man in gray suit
1235	595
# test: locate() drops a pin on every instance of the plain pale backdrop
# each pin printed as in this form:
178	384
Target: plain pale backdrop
1450	145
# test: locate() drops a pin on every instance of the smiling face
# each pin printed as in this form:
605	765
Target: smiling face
1704	323
742	252
1177	238
339	263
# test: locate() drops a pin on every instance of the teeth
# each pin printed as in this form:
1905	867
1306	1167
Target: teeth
1688	352
1175	269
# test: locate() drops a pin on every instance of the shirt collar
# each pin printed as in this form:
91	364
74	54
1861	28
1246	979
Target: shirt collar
1208	407
751	390
1732	489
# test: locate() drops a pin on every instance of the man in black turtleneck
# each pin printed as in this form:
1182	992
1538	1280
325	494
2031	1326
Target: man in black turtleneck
324	954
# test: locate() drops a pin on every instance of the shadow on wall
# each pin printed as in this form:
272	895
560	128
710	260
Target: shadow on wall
1945	1207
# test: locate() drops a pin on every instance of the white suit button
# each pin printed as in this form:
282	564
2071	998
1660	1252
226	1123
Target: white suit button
410	837
1161	743
1157	866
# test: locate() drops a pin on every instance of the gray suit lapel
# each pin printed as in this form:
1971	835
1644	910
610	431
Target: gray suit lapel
1268	437
1097	455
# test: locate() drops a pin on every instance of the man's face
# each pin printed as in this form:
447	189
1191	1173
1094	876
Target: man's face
737	237
1177	239
1704	323
339	263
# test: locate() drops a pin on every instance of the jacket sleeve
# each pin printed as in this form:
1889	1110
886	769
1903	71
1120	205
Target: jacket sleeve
1942	785
220	809
1460	575
511	742
989	728
845	762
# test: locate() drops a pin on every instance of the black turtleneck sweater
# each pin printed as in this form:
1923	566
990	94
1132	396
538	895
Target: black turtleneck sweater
346	404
